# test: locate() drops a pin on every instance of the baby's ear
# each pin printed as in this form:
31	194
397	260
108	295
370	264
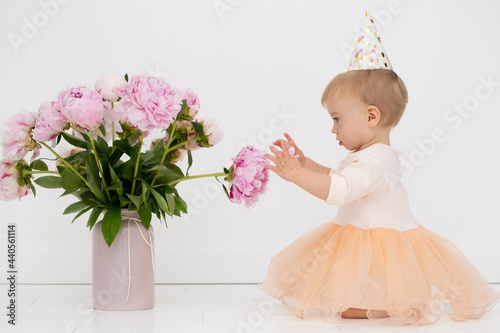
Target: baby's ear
373	115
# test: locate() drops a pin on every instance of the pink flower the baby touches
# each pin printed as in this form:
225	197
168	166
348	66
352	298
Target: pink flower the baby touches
248	176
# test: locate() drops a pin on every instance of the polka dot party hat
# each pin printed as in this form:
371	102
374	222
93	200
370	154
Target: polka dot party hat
369	52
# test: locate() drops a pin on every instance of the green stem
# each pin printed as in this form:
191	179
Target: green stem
63	161
180	145
136	167
169	150
26	172
169	142
217	174
167	146
75	129
91	137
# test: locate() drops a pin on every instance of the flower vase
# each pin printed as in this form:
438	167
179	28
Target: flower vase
123	273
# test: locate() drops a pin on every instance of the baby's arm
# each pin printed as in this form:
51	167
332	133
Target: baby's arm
290	169
304	161
313	166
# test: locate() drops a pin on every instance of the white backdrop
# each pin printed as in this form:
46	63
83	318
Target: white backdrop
259	68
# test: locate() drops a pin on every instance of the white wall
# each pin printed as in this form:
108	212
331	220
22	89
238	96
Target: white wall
248	64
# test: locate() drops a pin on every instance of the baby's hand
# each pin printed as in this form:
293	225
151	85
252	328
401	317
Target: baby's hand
285	165
295	151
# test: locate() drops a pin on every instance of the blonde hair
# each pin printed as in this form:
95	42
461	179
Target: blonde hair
382	88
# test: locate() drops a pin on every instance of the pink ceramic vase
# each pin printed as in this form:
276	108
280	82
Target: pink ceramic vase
123	274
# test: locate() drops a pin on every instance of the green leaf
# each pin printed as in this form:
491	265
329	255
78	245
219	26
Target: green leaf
49	181
89	198
71	139
145	215
123	200
120	169
190	162
134	137
136	150
39	165
78	158
170	203
180	204
169	189
198	128
97	191
111	224
87	139
116	179
123	146
102	147
71	182
135	199
114	186
164	217
115	157
81	213
224	186
126	77
159	148
94	215
145	191
162	203
32	187
102	128
148	158
75	207
92	168
105	169
168	173
128	173
183	110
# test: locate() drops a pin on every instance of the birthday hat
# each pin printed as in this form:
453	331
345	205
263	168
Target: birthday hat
369	52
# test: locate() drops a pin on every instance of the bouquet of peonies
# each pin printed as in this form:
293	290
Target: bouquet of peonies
106	169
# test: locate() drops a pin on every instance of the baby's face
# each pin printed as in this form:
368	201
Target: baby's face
349	121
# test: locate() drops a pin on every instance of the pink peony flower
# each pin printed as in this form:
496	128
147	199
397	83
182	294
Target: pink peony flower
177	155
211	131
82	107
185	127
110	86
150	103
50	122
16	136
111	113
10	188
192	101
248	176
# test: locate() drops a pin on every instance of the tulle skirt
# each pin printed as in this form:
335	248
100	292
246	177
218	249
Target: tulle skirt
413	275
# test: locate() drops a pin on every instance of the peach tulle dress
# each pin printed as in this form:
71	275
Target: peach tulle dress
374	255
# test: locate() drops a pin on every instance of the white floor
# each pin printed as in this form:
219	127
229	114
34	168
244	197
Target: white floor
195	308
